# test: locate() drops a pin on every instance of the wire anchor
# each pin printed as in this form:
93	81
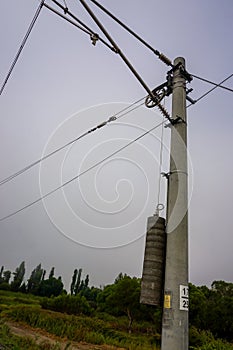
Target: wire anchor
159	207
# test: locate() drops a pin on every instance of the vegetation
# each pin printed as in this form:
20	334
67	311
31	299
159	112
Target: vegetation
111	315
10	341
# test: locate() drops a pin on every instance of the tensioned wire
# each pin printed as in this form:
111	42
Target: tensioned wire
81	174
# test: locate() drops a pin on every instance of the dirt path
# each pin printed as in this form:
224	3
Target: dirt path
41	336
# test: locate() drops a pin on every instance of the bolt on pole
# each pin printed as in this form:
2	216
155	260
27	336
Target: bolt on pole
175	309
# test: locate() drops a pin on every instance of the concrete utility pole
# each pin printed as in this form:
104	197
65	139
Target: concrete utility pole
175	309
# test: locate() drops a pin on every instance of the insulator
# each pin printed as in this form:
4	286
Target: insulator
165	59
164	111
154	262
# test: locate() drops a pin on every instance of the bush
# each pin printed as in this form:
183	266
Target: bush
5	286
69	304
204	340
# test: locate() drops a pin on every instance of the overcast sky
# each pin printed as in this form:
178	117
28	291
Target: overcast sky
62	86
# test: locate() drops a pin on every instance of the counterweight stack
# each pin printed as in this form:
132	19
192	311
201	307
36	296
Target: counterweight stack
154	260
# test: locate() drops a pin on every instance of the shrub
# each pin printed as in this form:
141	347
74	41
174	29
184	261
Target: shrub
70	304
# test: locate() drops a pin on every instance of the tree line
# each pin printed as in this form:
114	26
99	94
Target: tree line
211	309
38	284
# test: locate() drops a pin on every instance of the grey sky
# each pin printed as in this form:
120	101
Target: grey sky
62	86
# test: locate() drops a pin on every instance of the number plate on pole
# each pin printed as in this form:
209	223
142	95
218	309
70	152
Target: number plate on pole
184	297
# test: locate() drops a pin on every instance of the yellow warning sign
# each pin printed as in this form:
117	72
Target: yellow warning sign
167	301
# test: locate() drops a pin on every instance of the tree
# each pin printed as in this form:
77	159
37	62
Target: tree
122	298
6	276
222	288
73	282
1	272
51	274
220	310
43	276
86	282
78	281
18	277
50	287
4	279
35	280
198	306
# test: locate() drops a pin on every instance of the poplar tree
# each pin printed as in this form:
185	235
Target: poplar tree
73	282
18	277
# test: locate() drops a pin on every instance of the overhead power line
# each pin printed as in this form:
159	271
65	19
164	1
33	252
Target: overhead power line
209	91
160	55
94	36
217	85
80	174
114	117
67	19
117	49
22	45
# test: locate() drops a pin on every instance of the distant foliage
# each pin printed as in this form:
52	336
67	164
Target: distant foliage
212	309
50	287
35	280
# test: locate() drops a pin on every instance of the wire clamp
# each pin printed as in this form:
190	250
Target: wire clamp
166	175
112	119
175	121
94	38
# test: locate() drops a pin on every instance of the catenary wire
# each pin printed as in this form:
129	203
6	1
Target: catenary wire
67	19
22	45
117	49
114	117
161	56
209	91
81	174
120	114
211	82
89	30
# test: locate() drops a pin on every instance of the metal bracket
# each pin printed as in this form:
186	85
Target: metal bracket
189	98
178	120
175	121
167	175
185	74
183	71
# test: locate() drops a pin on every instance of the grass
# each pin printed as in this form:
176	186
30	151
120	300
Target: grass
108	330
79	328
10	341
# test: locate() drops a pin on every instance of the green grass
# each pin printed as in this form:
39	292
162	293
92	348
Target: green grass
99	329
13	342
79	328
